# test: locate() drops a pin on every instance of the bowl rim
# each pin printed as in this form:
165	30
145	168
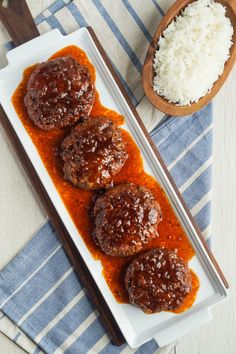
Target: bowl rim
147	75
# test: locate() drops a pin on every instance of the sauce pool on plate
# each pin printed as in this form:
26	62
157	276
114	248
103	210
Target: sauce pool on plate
77	201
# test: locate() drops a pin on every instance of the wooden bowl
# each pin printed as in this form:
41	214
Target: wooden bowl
161	103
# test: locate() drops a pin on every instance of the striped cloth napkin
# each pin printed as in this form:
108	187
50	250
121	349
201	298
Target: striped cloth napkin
44	308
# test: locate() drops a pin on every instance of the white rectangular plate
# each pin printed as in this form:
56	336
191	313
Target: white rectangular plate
136	326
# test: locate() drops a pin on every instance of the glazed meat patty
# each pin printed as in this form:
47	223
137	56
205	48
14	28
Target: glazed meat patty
125	218
59	92
158	280
93	153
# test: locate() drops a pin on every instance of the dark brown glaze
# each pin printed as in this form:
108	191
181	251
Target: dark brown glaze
158	280
125	218
93	153
77	201
59	92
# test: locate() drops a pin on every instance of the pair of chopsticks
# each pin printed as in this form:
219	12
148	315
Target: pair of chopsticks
17	19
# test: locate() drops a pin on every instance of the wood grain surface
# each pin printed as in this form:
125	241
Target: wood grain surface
18	15
17	227
158	101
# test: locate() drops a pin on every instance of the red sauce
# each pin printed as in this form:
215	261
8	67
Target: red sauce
77	201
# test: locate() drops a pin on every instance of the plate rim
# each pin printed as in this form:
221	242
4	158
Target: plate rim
156	153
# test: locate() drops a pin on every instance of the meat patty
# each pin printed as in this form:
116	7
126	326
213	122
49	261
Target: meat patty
59	92
93	153
125	218
158	280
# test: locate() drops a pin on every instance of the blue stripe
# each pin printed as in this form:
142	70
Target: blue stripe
198	188
77	14
123	42
16	337
149	347
26	297
44	243
158	7
83	23
56	6
110	348
53	305
171	123
10	45
182	137
37	350
69	323
203	217
161	131
137	19
189	164
54	23
40	18
87	339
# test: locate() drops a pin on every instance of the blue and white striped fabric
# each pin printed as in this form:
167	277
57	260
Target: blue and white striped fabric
44	307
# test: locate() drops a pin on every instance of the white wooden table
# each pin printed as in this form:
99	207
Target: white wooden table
20	214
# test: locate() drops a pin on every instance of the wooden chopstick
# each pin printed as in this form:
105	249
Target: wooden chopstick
19	23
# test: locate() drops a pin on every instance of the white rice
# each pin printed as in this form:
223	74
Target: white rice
192	52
